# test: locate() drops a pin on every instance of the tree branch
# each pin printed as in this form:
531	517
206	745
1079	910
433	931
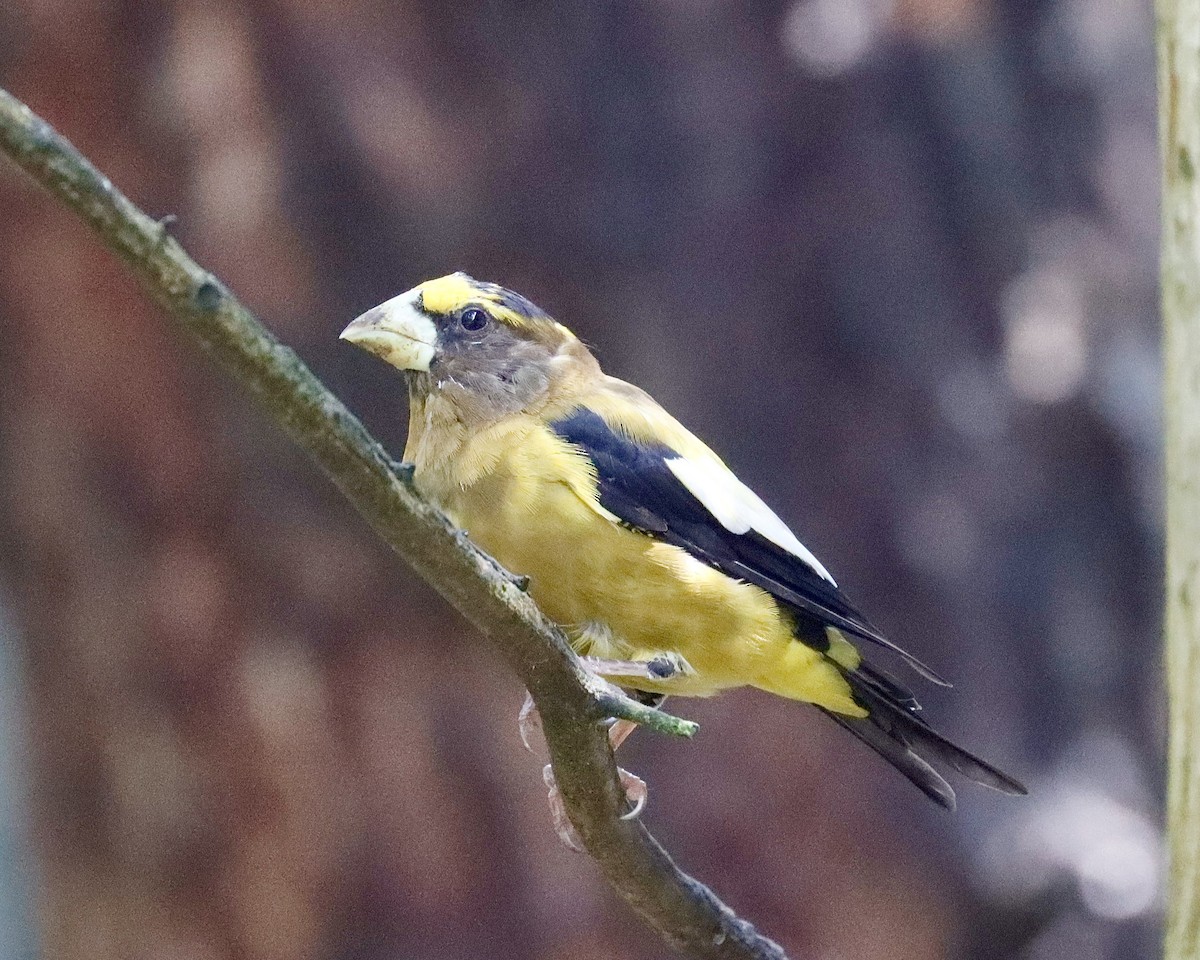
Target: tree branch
1179	132
687	914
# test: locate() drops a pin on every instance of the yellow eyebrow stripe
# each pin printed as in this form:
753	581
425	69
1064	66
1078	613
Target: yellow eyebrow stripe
446	294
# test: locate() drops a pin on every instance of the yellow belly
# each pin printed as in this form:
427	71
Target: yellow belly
621	595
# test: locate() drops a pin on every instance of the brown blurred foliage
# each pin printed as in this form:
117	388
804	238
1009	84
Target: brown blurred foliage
894	259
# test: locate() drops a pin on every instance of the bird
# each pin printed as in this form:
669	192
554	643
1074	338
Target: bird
667	573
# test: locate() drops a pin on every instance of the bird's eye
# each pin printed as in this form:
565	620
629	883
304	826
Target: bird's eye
473	319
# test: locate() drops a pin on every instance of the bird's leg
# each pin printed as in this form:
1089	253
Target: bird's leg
662	667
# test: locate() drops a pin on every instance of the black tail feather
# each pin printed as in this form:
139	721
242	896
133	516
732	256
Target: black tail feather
885	685
899	755
894	731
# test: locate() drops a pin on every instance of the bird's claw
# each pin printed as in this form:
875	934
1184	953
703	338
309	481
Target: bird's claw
636	793
558	812
529	722
635	789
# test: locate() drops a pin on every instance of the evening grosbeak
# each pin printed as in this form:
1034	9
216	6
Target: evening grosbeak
634	536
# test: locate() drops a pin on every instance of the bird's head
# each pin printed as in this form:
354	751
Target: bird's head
479	344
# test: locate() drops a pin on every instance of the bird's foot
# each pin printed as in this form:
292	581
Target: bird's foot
529	723
635	789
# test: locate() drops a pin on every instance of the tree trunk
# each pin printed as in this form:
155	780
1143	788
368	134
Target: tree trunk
1179	118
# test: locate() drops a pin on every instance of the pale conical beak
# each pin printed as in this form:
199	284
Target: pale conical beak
395	331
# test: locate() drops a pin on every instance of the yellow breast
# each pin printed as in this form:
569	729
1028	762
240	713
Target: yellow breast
530	502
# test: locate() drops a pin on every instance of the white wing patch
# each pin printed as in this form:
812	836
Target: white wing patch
738	508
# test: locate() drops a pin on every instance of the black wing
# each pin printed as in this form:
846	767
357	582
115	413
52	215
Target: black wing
638	487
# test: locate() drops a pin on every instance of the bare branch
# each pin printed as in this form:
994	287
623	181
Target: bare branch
687	914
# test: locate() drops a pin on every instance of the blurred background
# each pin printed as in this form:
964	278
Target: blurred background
894	259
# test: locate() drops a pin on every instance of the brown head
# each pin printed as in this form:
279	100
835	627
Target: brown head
487	350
